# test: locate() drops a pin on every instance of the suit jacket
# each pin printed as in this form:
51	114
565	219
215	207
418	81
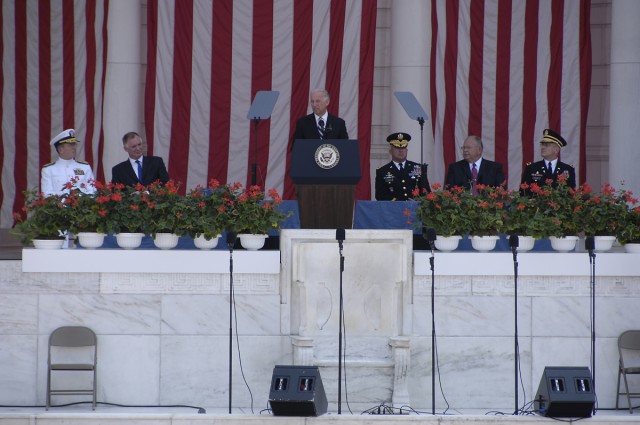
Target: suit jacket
536	172
306	128
395	185
490	174
152	169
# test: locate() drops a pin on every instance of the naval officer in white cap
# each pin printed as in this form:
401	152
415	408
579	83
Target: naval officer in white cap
56	175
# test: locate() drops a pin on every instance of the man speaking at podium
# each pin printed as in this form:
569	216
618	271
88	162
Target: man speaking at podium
320	124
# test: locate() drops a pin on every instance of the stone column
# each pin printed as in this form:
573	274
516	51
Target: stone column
303	351
124	90
409	68
624	127
401	355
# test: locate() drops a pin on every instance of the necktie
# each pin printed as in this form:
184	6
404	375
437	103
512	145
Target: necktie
474	176
401	167
549	168
321	128
139	170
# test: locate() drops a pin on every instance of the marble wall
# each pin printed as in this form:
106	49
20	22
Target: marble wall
164	337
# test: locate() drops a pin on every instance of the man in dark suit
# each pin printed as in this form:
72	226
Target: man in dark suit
138	168
320	124
473	168
550	168
399	178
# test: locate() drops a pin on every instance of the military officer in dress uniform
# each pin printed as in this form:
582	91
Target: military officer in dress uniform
397	180
550	168
56	175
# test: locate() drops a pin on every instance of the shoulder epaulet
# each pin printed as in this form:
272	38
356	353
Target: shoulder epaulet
82	162
47	165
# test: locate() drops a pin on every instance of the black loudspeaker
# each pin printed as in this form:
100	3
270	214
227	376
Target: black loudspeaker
297	391
565	392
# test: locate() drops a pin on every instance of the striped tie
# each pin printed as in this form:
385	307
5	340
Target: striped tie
321	128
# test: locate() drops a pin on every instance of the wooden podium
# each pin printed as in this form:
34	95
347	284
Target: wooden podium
325	173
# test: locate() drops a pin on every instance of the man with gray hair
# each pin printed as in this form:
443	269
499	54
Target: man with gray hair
473	169
320	124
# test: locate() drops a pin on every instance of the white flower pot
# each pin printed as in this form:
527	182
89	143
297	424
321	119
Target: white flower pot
252	242
201	243
563	244
447	243
604	243
633	248
484	243
48	243
91	240
526	243
166	240
129	240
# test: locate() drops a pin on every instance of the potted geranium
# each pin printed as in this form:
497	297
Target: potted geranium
526	220
486	214
129	214
559	205
628	233
252	213
43	218
598	214
206	213
166	221
88	214
442	210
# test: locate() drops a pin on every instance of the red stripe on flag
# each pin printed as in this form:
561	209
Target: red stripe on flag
334	60
554	86
100	167
432	68
450	74
44	82
89	80
220	127
261	71
68	65
181	107
1	103
150	86
529	78
503	73
476	38
585	81
365	93
301	71
20	161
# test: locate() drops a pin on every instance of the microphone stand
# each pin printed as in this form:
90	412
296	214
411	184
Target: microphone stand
340	236
514	242
590	245
231	240
431	237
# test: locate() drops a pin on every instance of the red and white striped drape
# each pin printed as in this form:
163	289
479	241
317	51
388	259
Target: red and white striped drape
505	70
52	78
207	59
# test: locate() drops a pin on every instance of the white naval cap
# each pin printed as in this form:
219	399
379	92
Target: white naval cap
67	136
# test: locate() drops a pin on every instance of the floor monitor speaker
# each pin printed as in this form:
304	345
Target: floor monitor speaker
565	392
297	391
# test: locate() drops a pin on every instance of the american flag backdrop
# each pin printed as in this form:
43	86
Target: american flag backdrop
505	70
207	59
52	78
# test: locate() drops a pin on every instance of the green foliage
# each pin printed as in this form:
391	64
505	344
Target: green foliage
42	217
